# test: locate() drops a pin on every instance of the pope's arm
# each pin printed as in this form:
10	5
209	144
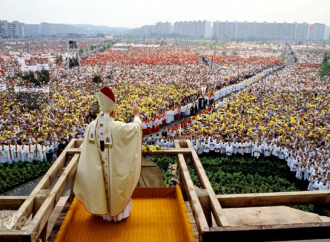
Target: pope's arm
137	120
128	130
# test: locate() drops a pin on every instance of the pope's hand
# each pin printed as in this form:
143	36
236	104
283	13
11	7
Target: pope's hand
135	110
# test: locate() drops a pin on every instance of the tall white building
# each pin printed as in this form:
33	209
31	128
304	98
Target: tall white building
327	33
194	29
4	29
15	29
316	32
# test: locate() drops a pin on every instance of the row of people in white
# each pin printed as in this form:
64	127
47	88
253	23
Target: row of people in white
166	143
308	163
25	152
230	148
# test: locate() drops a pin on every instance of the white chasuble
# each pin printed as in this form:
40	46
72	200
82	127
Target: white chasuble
105	180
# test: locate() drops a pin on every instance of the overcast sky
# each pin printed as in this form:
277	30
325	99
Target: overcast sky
135	13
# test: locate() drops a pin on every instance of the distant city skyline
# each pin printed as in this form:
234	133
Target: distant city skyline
132	14
201	29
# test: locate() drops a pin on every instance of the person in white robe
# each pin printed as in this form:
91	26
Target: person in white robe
267	150
8	153
217	148
16	150
229	149
206	148
241	148
212	146
317	184
200	148
235	147
246	146
223	146
30	152
37	154
43	149
3	156
257	151
300	171
324	185
110	162
276	150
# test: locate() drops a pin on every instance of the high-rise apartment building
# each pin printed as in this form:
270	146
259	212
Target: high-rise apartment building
316	32
14	30
32	30
245	31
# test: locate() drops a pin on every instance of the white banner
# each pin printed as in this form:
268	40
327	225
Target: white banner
35	68
25	89
2	87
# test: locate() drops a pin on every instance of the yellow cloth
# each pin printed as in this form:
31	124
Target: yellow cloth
124	170
158	215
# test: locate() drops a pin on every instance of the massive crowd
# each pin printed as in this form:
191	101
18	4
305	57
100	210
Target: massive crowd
285	115
162	91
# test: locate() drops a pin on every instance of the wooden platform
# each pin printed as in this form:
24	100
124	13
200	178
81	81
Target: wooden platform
158	214
271	215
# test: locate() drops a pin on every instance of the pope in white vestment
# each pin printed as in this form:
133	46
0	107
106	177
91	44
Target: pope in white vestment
110	162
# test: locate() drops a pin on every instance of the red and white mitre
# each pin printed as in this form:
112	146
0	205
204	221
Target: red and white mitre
106	99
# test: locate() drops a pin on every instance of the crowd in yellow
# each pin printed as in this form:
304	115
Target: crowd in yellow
64	113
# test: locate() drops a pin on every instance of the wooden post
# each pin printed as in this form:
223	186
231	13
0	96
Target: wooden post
71	197
204	199
181	181
189	187
39	200
217	211
182	187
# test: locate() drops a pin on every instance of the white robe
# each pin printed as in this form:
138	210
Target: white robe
105	180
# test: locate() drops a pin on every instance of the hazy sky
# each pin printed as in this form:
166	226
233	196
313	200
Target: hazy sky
135	13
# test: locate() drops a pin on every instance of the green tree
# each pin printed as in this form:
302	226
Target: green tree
325	66
43	77
97	79
59	58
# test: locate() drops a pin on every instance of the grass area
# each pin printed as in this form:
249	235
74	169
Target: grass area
19	173
236	175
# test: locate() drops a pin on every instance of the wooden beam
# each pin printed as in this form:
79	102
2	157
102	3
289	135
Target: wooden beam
185	151
183	143
201	223
39	200
73	151
38	223
204	199
269	233
11	202
26	209
55	214
78	143
274	199
218	214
